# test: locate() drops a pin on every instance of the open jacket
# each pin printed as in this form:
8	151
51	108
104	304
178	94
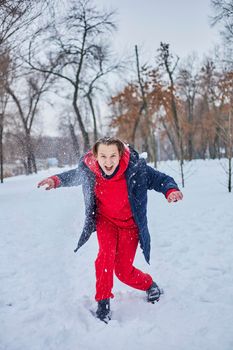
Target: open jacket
140	177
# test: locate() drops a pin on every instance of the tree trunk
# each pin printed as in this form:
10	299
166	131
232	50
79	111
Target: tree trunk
229	175
171	139
93	116
190	147
25	166
34	162
217	143
74	141
143	108
81	125
1	152
153	148
190	121
176	120
230	144
31	161
182	159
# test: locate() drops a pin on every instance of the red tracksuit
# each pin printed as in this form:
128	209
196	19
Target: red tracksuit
117	232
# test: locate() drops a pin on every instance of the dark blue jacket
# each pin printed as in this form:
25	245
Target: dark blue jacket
139	177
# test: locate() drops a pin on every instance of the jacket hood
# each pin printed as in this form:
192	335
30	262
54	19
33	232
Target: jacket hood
93	165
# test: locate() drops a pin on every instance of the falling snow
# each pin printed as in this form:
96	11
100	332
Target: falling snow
46	290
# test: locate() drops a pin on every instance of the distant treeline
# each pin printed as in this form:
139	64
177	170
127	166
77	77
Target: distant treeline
60	53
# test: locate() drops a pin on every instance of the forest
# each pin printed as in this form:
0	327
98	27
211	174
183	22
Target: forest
59	54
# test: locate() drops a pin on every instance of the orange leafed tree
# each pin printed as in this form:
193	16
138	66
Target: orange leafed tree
126	107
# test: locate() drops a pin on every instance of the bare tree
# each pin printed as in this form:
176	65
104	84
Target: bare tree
27	107
97	79
213	96
225	121
74	47
229	149
16	15
224	14
149	137
187	83
143	108
226	132
4	76
67	127
3	104
167	61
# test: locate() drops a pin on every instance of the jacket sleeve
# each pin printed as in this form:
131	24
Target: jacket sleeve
159	182
70	178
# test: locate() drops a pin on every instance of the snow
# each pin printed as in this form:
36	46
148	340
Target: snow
46	290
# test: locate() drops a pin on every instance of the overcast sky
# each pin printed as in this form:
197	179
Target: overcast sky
184	24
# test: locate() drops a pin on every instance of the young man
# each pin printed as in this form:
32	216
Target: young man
115	183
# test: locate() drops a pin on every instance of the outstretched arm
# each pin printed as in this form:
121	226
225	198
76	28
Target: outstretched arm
174	195
161	182
49	182
68	178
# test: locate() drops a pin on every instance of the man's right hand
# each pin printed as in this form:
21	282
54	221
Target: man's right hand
49	182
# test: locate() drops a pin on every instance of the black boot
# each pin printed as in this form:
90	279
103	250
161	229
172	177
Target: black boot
153	293
103	311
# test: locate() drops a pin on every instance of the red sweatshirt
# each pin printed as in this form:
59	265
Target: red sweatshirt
112	194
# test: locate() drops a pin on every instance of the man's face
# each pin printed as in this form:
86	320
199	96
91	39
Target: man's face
108	158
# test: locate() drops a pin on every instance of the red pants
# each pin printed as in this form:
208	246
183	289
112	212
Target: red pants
117	249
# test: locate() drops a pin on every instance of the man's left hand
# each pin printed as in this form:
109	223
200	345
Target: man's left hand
175	196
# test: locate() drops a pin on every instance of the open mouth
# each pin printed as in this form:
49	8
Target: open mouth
109	168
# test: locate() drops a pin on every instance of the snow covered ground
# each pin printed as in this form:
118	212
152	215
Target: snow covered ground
46	290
